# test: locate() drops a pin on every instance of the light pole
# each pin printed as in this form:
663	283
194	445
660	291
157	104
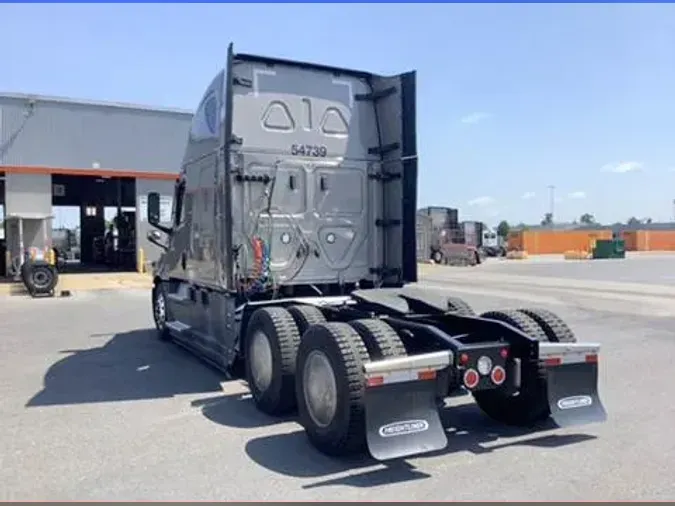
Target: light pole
551	195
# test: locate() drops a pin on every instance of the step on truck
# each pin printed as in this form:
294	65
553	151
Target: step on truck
291	246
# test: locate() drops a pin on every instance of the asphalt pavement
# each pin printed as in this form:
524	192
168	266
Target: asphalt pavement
93	407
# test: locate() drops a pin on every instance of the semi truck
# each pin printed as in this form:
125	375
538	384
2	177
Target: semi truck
491	243
290	255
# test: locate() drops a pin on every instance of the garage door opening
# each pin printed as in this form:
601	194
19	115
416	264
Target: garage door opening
94	226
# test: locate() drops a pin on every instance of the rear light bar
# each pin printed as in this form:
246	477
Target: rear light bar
555	354
401	369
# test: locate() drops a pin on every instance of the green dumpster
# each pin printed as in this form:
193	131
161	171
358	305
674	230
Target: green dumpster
609	248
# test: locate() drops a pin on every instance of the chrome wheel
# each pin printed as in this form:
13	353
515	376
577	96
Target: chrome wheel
261	361
159	310
319	388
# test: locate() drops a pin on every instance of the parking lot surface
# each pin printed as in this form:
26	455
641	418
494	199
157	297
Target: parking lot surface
93	407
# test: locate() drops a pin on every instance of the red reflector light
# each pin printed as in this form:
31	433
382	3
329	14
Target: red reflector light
375	381
498	375
464	359
591	359
504	353
426	375
553	361
471	378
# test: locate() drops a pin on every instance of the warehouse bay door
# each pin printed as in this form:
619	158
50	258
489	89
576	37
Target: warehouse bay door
99	216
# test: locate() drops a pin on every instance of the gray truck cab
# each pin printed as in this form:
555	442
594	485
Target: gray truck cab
292	238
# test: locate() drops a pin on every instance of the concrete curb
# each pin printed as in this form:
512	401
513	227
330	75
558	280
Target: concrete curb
87	282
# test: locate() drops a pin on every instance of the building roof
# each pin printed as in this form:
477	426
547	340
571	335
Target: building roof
93	103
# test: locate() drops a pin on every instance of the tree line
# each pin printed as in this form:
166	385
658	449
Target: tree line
586	219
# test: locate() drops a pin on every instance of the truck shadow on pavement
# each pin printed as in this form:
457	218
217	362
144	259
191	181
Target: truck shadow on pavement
467	428
126	366
136	366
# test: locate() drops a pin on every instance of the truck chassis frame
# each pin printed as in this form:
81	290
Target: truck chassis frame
384	344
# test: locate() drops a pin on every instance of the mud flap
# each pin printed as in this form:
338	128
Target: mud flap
402	419
573	394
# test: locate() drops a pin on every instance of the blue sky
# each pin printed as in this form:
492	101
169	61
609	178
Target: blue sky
511	98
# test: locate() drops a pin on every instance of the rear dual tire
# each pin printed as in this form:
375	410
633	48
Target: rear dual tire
271	345
529	405
295	359
337	392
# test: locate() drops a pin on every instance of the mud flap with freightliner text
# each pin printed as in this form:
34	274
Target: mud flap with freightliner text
572	380
402	416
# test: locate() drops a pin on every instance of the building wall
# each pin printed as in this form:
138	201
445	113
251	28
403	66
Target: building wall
56	135
79	135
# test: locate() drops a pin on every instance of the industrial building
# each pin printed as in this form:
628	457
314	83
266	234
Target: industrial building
89	156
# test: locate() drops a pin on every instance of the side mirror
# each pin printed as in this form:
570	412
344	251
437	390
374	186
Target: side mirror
153	209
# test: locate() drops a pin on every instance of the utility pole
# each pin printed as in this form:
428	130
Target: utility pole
551	194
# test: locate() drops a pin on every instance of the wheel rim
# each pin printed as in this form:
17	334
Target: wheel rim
160	311
40	279
319	388
261	360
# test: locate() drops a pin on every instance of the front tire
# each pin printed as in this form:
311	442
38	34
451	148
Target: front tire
159	312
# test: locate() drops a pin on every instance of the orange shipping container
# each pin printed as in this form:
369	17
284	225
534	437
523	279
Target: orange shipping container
514	241
630	238
550	242
650	240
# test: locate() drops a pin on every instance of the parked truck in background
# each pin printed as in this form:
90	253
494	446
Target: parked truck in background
491	244
292	242
447	237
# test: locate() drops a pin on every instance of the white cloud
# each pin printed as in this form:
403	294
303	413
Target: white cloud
622	167
481	201
473	118
528	195
577	195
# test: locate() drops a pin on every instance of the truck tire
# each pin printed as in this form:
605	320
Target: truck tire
530	405
438	257
556	330
305	315
459	306
271	344
160	312
40	278
380	339
330	386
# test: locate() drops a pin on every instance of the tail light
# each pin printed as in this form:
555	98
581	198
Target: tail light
498	375
471	378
